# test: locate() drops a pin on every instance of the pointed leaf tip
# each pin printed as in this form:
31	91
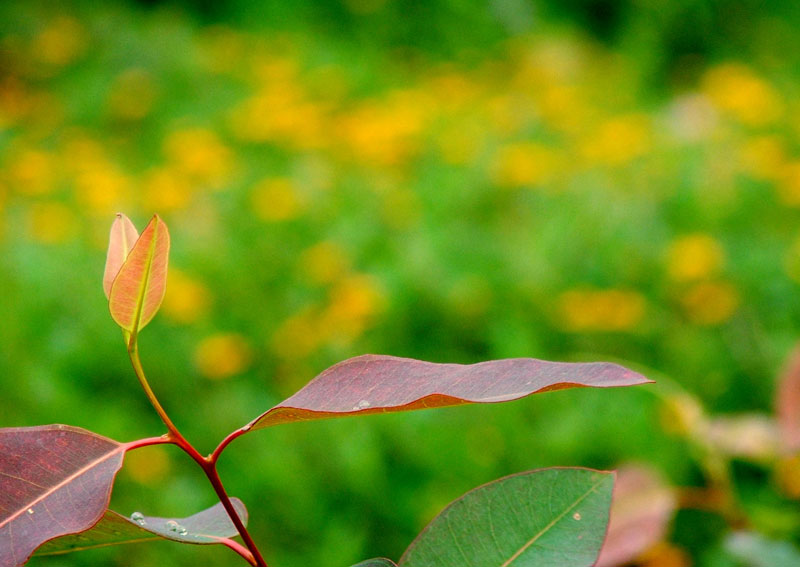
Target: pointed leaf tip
139	287
120	242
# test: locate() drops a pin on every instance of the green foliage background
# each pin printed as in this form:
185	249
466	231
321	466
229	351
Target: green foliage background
444	180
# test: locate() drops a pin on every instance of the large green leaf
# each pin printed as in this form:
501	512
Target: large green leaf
209	526
544	518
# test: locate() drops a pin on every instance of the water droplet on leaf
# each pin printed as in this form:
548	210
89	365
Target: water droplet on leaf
30	510
361	405
172	525
138	517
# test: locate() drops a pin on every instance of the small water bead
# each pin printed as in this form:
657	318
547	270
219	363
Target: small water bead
172	525
138	517
182	530
361	405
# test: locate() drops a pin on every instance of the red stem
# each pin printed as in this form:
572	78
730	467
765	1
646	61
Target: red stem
214	457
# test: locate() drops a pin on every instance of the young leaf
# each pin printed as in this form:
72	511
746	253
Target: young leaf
544	517
54	480
382	384
206	527
139	287
120	242
641	510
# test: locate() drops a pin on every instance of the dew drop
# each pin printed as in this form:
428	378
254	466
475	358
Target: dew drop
182	530
172	526
361	405
138	517
576	516
30	510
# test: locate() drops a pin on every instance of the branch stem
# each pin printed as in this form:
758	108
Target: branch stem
208	464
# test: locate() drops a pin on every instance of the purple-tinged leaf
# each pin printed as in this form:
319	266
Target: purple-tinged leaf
139	287
54	480
787	403
641	510
207	527
120	242
545	517
381	384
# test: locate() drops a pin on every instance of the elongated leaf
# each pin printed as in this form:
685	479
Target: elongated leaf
54	480
206	527
641	510
139	287
787	403
378	562
120	242
545	518
381	384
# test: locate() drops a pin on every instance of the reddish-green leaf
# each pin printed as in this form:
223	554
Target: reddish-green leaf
641	510
787	403
549	517
139	287
381	384
207	527
54	480
120	242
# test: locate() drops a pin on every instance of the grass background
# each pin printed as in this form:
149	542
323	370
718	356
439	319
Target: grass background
447	181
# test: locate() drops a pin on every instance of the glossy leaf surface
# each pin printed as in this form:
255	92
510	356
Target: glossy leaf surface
641	510
54	480
139	287
120	242
381	384
545	518
206	527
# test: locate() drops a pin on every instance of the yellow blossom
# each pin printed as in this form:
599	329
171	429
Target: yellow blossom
200	155
223	355
166	189
619	140
525	164
276	199
33	172
297	337
324	262
735	88
600	310
694	257
61	41
132	95
764	157
710	303
147	465
187	299
51	222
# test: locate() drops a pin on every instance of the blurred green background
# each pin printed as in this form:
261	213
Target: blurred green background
445	180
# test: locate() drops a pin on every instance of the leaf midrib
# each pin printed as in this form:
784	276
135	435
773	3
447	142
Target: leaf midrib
61	484
549	526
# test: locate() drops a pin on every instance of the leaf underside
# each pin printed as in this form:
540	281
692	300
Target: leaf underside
54	480
206	527
120	241
381	384
544	518
139	287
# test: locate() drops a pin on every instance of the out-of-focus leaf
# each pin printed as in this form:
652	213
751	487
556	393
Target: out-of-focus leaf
54	480
206	527
749	436
120	242
787	403
382	384
538	518
139	287
754	550
641	510
378	562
